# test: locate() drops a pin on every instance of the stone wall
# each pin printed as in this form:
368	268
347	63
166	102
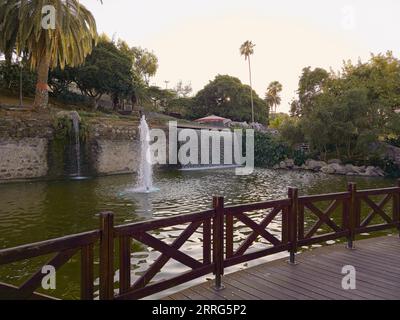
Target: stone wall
23	158
115	156
32	146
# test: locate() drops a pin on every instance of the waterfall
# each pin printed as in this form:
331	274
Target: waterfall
145	181
75	123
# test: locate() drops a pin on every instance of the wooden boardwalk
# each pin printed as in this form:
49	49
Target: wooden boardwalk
317	276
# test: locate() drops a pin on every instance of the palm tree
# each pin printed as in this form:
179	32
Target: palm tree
68	44
246	50
272	96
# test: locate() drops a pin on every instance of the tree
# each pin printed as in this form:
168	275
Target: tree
247	50
145	63
272	96
311	84
279	119
342	114
68	44
160	98
107	70
183	91
226	96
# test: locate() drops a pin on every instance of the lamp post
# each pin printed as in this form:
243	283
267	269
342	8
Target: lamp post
20	82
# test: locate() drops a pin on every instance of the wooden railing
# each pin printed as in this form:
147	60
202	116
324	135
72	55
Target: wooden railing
302	221
63	249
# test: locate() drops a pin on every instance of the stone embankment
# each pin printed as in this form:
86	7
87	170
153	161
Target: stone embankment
332	167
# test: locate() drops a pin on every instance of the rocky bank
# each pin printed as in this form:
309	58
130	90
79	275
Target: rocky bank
332	167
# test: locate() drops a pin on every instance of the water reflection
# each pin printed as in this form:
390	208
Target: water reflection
37	211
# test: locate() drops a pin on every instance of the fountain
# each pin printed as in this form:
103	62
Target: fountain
75	124
145	178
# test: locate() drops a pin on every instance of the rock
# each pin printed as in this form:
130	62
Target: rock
339	169
315	165
68	114
370	172
328	170
282	165
335	161
380	172
374	172
353	169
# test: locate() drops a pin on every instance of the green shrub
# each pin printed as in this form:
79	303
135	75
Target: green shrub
268	151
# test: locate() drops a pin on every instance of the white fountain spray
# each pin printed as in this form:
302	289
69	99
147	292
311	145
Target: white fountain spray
75	123
145	181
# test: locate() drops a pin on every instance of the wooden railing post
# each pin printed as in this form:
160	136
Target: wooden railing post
87	274
396	207
229	235
124	264
218	241
293	194
106	256
351	216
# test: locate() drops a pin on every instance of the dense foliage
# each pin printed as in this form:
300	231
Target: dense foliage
342	114
68	42
227	97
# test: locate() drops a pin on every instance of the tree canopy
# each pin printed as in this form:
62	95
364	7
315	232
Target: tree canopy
226	96
343	113
68	43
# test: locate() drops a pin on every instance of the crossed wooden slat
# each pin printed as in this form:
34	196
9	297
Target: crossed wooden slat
30	285
167	252
376	209
258	230
324	217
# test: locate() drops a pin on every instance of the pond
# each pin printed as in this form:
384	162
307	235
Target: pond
36	211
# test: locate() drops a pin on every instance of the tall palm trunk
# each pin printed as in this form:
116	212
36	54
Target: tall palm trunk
42	93
251	93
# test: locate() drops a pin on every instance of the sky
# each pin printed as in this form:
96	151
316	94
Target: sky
195	40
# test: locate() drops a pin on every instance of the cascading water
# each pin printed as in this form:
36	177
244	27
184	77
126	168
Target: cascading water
145	179
75	124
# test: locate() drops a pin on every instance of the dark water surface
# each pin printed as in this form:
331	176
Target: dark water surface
37	211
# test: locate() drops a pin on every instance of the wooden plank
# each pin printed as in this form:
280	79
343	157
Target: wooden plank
377	192
318	276
254	278
331	289
258	230
10	292
107	256
255	255
124	264
130	229
233	210
218	240
166	284
298	292
47	247
164	258
207	242
366	282
229	235
324	197
167	250
87	272
252	288
232	293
